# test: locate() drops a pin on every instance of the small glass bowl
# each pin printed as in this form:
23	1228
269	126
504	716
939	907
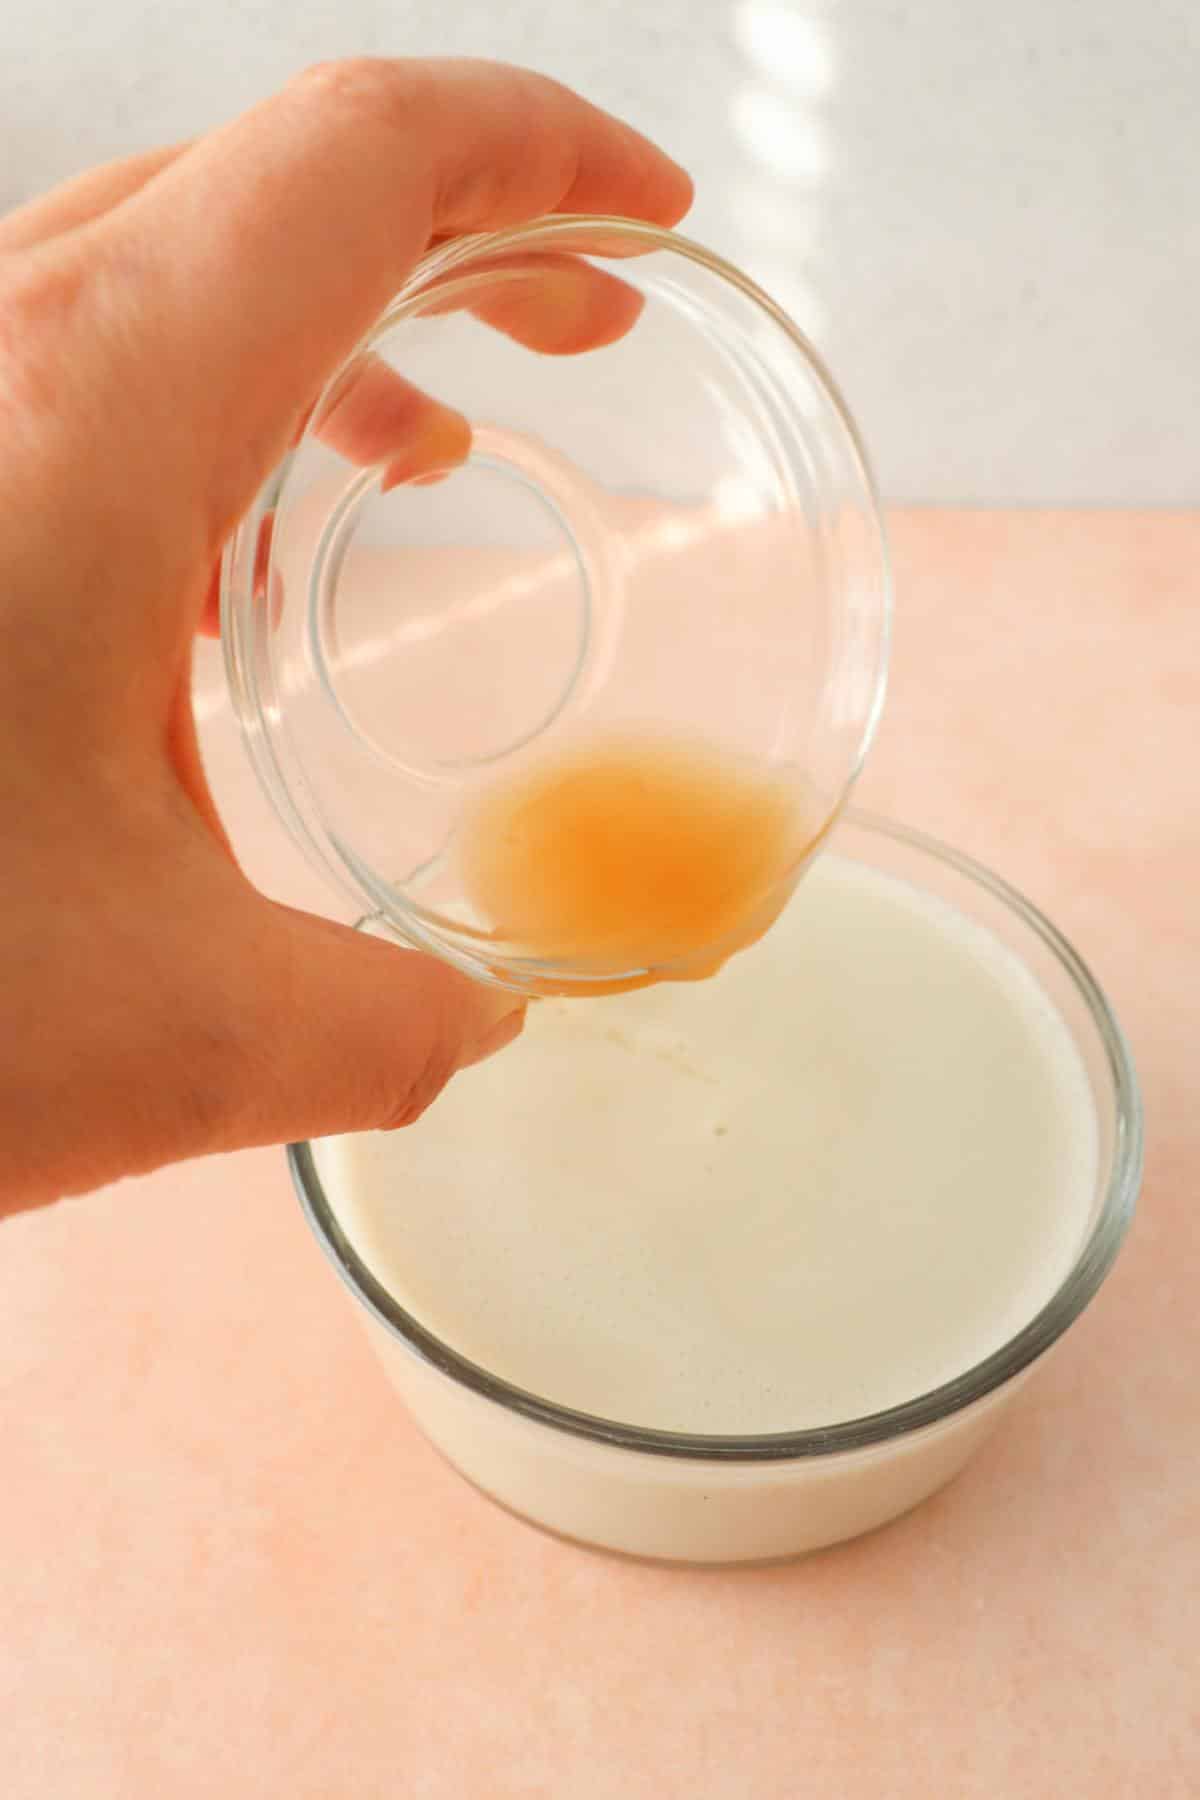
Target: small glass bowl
725	1499
581	481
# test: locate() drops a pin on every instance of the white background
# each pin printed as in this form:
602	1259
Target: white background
986	214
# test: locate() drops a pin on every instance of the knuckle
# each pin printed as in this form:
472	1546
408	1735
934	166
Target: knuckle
33	289
40	299
421	1089
45	304
63	311
81	389
425	1080
212	1047
357	84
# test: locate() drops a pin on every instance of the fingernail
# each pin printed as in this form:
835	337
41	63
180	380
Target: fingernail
440	443
496	1036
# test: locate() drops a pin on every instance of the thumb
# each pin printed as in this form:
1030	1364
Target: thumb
363	1035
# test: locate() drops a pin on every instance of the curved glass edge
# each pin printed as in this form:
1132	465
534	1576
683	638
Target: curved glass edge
1093	1263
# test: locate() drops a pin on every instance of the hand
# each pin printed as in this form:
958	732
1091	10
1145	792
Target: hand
164	325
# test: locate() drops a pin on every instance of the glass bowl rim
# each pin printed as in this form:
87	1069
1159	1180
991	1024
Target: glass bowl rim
1089	1269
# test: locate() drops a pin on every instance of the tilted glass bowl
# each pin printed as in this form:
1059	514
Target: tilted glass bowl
583	479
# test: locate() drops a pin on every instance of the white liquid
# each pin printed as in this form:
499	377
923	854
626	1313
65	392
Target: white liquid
824	1183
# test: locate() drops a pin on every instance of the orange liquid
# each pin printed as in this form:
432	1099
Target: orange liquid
634	860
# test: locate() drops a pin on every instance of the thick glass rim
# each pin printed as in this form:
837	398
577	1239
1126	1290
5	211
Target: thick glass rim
1094	1260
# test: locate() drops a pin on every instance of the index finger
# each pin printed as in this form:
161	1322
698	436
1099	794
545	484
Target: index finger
264	255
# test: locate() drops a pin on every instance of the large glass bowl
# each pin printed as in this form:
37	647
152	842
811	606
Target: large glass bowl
583	479
704	1498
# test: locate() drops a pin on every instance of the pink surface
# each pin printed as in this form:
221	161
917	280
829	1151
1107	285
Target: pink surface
229	1566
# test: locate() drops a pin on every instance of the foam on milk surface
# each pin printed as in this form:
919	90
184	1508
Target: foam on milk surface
829	1180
